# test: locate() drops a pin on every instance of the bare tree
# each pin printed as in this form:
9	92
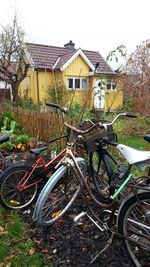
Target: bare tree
135	79
13	65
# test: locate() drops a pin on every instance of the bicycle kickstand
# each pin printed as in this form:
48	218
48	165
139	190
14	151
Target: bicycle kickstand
109	242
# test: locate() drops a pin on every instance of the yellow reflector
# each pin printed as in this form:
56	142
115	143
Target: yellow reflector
14	202
56	213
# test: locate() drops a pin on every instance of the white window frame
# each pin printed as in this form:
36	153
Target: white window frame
74	78
112	82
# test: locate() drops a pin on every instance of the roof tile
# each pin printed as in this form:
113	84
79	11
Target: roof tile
44	56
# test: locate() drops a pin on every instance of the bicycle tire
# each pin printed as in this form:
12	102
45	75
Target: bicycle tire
10	197
49	208
133	223
100	172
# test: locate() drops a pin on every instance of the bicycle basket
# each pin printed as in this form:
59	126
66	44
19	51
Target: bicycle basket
91	140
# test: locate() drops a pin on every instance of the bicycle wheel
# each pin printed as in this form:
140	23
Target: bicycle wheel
134	223
10	195
58	194
100	171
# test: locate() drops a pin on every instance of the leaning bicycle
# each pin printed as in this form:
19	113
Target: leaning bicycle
53	203
21	182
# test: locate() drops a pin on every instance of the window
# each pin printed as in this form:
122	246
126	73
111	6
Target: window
70	83
84	83
77	83
111	84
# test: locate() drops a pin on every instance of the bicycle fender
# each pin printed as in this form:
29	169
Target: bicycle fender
54	178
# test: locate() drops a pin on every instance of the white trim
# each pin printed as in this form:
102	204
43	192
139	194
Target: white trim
79	52
29	57
80	78
55	64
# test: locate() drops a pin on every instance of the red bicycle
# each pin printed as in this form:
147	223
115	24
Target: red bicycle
19	183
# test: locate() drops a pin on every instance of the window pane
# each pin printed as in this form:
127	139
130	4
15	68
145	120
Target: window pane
114	85
102	84
70	83
84	83
77	83
108	84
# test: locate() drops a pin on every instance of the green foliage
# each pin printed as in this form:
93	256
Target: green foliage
58	93
120	51
27	103
23	139
7	145
128	103
75	110
9	115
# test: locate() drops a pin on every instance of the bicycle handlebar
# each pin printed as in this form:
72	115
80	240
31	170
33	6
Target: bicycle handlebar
98	124
53	105
131	116
119	115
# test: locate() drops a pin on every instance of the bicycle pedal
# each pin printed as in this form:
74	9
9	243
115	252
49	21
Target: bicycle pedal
79	216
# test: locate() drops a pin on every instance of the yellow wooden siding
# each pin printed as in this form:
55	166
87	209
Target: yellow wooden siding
29	84
77	69
113	100
36	80
45	79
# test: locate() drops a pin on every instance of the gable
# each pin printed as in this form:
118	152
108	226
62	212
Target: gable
78	67
74	56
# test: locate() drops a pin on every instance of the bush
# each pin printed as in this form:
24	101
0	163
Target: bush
57	93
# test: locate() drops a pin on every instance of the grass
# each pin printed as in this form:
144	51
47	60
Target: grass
135	142
16	249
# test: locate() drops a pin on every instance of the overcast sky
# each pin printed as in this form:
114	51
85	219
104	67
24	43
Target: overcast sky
99	25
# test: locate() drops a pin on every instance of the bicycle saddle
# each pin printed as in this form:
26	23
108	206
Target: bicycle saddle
4	138
147	137
37	151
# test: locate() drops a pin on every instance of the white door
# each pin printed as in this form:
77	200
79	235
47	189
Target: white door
99	94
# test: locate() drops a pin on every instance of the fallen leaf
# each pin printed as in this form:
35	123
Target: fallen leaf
10	257
3	232
55	251
8	264
45	250
31	251
49	257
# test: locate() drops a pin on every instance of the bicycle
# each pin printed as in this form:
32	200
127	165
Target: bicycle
105	170
19	183
50	206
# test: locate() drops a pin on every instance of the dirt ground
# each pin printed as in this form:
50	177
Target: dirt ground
75	245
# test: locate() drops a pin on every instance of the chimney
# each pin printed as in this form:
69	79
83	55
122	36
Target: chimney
70	46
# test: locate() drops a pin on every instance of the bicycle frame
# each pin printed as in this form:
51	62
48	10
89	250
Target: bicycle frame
22	184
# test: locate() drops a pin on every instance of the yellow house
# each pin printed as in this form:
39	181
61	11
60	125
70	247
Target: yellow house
85	73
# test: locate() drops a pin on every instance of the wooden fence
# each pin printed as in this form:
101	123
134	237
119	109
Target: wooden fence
44	125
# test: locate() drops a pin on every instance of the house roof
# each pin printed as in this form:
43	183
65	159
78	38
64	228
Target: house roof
53	57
